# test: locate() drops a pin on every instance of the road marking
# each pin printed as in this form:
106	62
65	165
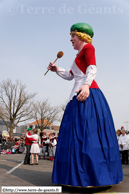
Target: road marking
9	172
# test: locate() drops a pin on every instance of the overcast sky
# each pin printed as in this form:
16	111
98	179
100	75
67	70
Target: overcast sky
33	31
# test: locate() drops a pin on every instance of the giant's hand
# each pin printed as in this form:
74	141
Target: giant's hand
84	92
53	67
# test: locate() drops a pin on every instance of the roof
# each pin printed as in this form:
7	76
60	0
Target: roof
56	128
39	121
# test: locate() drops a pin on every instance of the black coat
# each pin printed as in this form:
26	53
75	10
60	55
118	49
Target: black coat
0	138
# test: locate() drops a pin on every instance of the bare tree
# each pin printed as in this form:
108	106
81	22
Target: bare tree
15	103
63	106
45	113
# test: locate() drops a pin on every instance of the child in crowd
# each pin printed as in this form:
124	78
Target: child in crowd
3	151
8	151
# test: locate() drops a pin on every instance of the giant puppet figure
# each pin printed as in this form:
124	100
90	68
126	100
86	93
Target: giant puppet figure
87	151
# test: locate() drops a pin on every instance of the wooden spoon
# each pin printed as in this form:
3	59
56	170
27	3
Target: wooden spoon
59	55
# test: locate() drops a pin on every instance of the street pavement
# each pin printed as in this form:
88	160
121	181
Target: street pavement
40	175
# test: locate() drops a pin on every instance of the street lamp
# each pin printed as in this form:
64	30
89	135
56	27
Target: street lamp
126	124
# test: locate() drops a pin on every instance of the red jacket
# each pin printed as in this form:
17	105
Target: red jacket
28	140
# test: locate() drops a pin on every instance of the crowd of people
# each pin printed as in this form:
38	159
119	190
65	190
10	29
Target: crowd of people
123	142
12	144
44	145
41	144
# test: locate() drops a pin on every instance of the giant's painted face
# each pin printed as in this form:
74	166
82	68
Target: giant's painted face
76	42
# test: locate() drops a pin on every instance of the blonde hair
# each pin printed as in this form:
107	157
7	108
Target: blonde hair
84	37
35	131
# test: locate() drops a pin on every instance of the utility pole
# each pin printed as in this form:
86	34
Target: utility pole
126	124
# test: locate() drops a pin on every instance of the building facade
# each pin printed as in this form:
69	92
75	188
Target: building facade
3	127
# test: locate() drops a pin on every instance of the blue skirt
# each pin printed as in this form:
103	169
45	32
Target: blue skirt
87	151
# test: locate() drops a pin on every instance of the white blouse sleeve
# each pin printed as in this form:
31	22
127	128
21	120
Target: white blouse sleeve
54	143
29	136
90	74
47	141
64	74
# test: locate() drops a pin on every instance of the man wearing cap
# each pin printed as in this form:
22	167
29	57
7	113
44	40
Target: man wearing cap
52	146
52	141
28	141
